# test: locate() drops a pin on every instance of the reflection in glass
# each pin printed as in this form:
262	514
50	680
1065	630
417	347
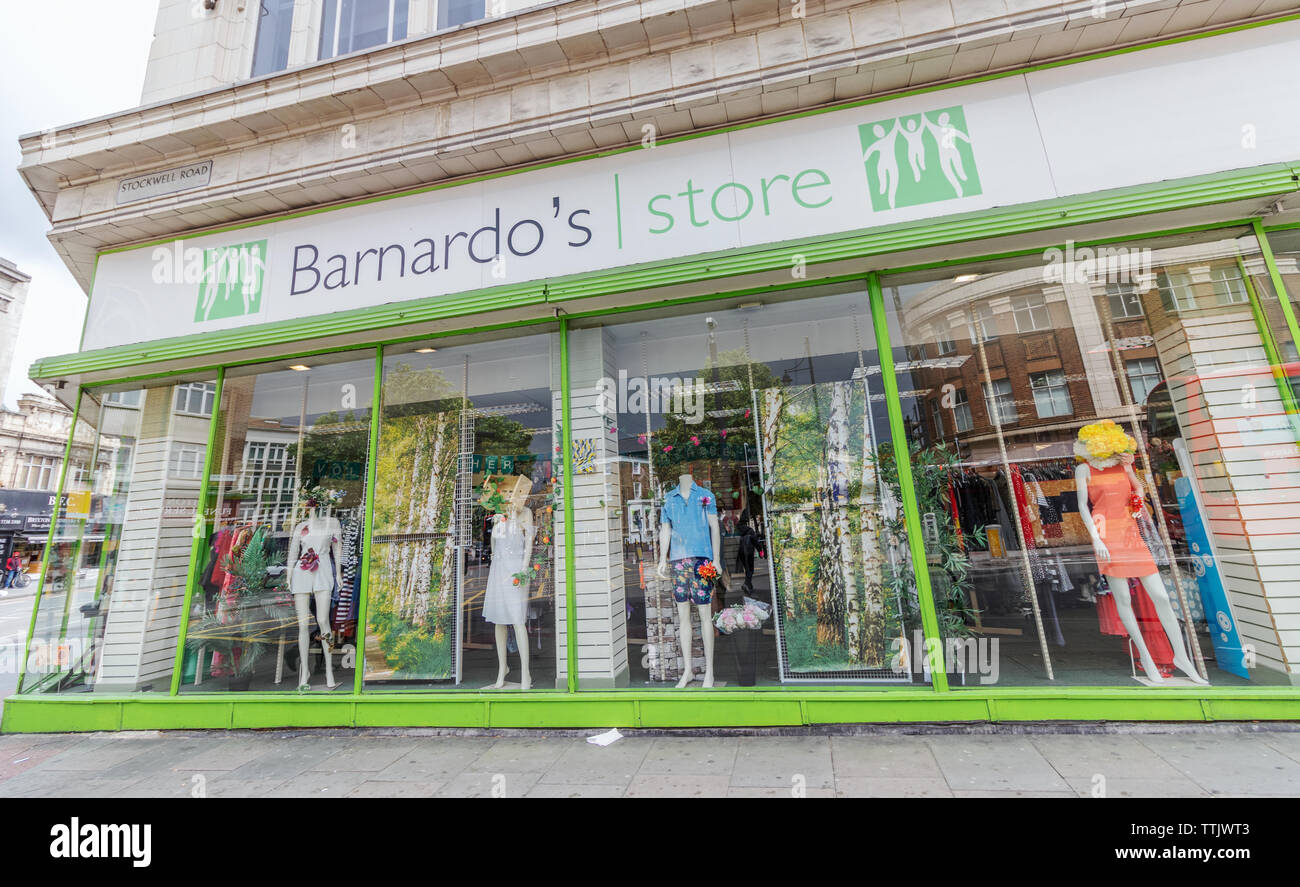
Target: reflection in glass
773	416
108	617
276	602
462	573
1108	484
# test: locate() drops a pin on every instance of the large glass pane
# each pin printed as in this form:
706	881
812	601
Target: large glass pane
751	439
109	612
452	13
1129	472
462	562
279	589
274	28
353	25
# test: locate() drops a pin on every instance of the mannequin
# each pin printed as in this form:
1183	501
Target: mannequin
689	536
505	602
1105	471
310	574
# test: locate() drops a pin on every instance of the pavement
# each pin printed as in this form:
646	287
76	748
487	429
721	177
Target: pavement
1216	760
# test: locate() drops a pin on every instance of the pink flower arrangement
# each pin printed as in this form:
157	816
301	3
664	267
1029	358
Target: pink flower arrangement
668	449
695	440
640	438
705	500
749	615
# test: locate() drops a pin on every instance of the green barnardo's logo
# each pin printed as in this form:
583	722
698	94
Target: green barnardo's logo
919	158
231	285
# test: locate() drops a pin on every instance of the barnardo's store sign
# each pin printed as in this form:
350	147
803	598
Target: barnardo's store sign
1074	129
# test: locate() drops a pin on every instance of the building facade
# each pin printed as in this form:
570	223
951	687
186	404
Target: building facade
13	298
436	350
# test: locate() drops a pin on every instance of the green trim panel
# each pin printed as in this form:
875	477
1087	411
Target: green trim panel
1257	182
652	709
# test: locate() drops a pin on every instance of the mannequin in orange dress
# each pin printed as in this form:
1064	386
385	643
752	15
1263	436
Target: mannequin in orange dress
1107	486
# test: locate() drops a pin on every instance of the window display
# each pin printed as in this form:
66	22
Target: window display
1121	473
108	615
462	573
275	605
737	499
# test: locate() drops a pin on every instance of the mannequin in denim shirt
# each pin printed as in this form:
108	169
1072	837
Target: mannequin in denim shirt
686	486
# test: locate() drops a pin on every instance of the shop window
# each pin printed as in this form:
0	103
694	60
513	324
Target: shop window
465	586
37	472
1124	300
277	595
1030	313
353	25
274	28
752	441
1090	545
1286	255
1000	402
1051	394
1143	377
108	617
936	416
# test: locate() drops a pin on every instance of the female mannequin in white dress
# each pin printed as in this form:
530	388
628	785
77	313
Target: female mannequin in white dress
315	565
505	602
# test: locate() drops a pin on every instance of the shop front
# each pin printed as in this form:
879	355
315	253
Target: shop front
941	407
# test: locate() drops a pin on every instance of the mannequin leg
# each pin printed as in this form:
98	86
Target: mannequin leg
1155	587
503	668
323	620
1124	606
706	634
302	606
521	641
684	635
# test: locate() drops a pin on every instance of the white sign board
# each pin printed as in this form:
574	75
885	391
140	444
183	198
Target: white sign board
166	181
1073	129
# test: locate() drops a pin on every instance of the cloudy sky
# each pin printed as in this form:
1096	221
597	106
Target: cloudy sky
61	61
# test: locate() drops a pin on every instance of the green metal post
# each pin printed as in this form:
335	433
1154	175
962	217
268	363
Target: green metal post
911	511
570	568
200	539
1279	286
372	470
49	541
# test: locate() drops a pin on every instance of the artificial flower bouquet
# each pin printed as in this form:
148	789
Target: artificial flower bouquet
748	615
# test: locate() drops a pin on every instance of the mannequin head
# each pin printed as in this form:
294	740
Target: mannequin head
1103	444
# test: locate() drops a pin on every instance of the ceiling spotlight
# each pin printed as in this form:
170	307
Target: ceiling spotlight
965	278
425	350
299	367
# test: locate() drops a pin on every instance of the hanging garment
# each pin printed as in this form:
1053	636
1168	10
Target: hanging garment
1110	493
505	602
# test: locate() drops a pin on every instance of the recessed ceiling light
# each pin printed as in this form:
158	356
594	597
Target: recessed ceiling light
965	278
425	350
299	367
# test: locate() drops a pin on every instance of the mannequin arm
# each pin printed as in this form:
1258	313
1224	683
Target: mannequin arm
1085	512
295	547
336	549
665	539
715	534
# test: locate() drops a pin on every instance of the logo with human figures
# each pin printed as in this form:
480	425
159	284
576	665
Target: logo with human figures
919	158
231	283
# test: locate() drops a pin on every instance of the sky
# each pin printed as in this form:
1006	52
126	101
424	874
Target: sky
61	61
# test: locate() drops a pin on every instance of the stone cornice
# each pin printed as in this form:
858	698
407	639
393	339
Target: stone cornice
553	81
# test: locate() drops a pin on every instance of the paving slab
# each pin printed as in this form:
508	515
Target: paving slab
783	762
1248	765
683	756
994	763
892	787
584	763
884	757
